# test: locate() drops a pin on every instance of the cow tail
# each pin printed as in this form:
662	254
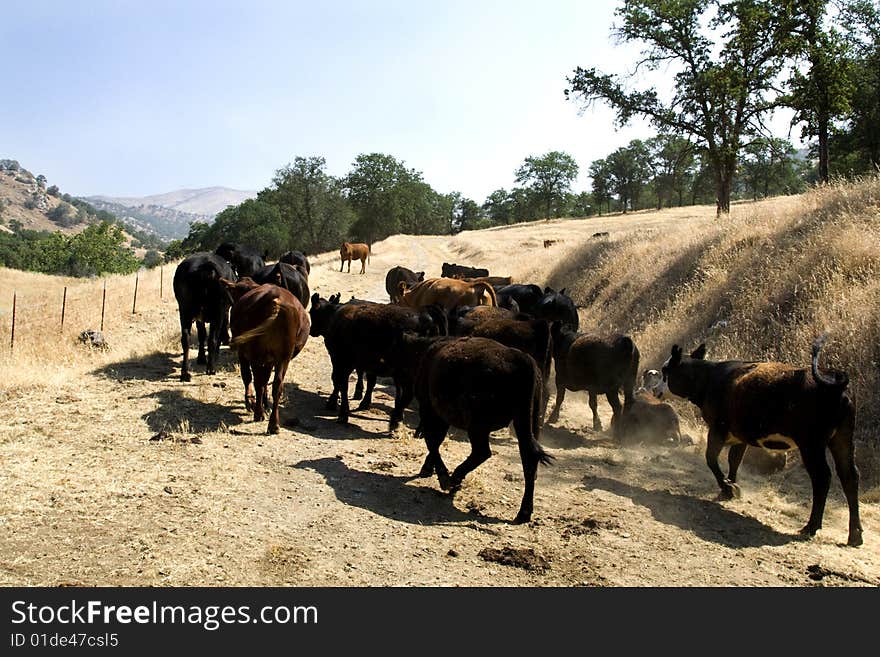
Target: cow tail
528	423
838	380
260	330
489	290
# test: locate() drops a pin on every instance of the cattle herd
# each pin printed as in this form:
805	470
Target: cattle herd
476	351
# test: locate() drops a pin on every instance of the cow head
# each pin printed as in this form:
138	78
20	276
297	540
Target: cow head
420	276
321	313
557	306
680	377
236	290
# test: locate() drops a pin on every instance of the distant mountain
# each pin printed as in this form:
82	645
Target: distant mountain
169	215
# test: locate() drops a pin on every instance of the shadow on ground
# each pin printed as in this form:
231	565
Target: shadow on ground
706	518
389	495
175	408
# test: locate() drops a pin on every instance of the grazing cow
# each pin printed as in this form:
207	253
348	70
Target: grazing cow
245	260
398	275
777	407
203	299
602	234
645	419
595	363
290	277
297	259
460	271
549	243
349	252
448	293
495	281
480	385
269	328
362	337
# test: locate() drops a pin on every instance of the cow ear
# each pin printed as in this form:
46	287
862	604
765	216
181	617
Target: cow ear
562	291
315	298
675	358
420	275
548	290
700	352
227	283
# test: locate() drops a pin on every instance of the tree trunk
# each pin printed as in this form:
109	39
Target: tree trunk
723	182
823	147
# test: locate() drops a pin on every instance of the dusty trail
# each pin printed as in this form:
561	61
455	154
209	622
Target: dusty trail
89	498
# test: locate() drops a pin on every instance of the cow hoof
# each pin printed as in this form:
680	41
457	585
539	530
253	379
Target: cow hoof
553	418
393	424
809	530
522	518
855	538
426	471
186	376
597	427
210	371
364	405
273	429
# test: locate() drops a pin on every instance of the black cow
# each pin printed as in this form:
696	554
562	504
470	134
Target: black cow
202	298
526	296
461	271
290	277
297	259
245	260
362	336
544	304
599	364
480	385
777	407
398	275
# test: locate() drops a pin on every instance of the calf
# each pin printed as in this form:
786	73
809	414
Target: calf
777	407
349	252
203	299
322	313
362	336
460	271
269	328
645	419
291	277
297	259
599	364
245	260
448	293
480	385
398	275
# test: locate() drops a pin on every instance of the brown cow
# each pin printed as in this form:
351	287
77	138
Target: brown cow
349	252
448	293
269	328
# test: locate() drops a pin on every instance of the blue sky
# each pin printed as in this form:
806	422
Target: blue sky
135	98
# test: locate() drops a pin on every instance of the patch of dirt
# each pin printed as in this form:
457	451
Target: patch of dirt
525	558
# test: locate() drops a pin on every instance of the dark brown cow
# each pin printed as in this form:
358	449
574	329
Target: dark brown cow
777	407
363	336
460	271
269	328
480	385
398	275
358	251
599	364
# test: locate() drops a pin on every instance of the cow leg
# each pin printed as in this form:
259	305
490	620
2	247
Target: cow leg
246	378
340	384
594	406
261	381
277	391
359	386
734	458
614	400
434	431
213	346
363	265
341	264
813	456
842	451
367	401
560	397
185	326
200	327
530	474
403	396
349	266
714	445
480	453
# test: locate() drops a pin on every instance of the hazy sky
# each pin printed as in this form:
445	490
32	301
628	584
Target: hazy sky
134	98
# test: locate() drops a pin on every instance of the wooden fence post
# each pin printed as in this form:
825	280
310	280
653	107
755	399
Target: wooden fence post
12	339
63	308
103	304
135	300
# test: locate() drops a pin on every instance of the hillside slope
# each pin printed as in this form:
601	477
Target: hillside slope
20	189
94	492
